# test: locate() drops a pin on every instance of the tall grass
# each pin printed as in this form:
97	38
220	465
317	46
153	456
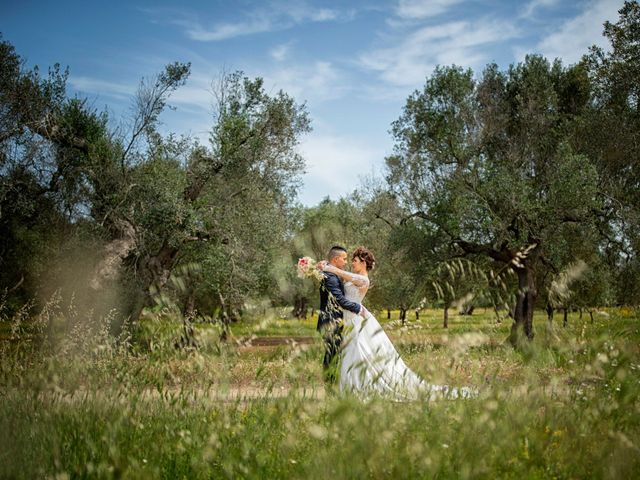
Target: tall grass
84	404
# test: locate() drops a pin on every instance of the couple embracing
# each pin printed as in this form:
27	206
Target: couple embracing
356	346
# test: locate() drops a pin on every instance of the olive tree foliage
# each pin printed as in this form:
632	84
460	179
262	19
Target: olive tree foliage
86	171
488	166
611	136
49	172
396	282
225	207
145	202
418	266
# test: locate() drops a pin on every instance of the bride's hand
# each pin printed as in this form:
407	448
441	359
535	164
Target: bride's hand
321	264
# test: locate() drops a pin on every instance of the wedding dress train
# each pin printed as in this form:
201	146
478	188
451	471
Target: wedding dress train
370	362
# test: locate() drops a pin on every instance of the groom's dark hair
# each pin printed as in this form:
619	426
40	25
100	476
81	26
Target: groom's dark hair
335	251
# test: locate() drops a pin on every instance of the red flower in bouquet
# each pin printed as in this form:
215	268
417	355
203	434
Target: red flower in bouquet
307	269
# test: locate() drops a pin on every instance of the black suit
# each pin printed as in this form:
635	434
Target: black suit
332	301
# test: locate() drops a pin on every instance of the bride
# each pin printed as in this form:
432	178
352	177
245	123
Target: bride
370	363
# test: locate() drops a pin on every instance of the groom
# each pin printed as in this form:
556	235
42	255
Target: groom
332	301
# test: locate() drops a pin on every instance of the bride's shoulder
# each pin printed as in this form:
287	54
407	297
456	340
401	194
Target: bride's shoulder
359	280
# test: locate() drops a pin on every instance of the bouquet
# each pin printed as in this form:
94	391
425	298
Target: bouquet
307	269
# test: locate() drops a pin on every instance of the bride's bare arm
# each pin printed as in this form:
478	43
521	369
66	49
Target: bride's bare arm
357	280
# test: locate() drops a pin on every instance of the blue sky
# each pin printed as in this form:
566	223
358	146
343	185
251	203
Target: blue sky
353	63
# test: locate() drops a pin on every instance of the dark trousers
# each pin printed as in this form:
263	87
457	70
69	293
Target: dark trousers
332	336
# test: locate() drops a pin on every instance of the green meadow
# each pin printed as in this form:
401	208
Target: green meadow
77	402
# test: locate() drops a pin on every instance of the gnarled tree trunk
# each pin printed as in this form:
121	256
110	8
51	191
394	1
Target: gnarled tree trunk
523	314
300	308
223	317
446	316
549	310
114	254
403	315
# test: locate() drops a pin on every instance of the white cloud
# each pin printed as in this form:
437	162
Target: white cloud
315	82
414	57
197	93
89	85
576	35
280	52
417	9
534	5
301	12
324	15
275	16
182	121
335	165
196	31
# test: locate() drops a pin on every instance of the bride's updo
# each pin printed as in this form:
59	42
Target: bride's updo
366	256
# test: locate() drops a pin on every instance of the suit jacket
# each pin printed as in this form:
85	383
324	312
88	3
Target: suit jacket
332	300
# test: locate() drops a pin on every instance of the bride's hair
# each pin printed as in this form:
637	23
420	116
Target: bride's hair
366	256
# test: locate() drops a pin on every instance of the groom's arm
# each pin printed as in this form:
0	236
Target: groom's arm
332	285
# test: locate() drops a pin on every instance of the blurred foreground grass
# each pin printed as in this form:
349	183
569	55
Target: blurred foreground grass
78	403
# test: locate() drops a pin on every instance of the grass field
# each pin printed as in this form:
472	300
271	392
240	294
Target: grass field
77	403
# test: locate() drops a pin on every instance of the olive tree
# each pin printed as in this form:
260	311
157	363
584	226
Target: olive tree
488	165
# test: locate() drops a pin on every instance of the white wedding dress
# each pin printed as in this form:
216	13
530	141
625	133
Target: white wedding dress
371	364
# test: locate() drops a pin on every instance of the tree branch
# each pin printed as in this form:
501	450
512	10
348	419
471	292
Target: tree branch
377	215
504	255
418	214
16	286
51	131
548	263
